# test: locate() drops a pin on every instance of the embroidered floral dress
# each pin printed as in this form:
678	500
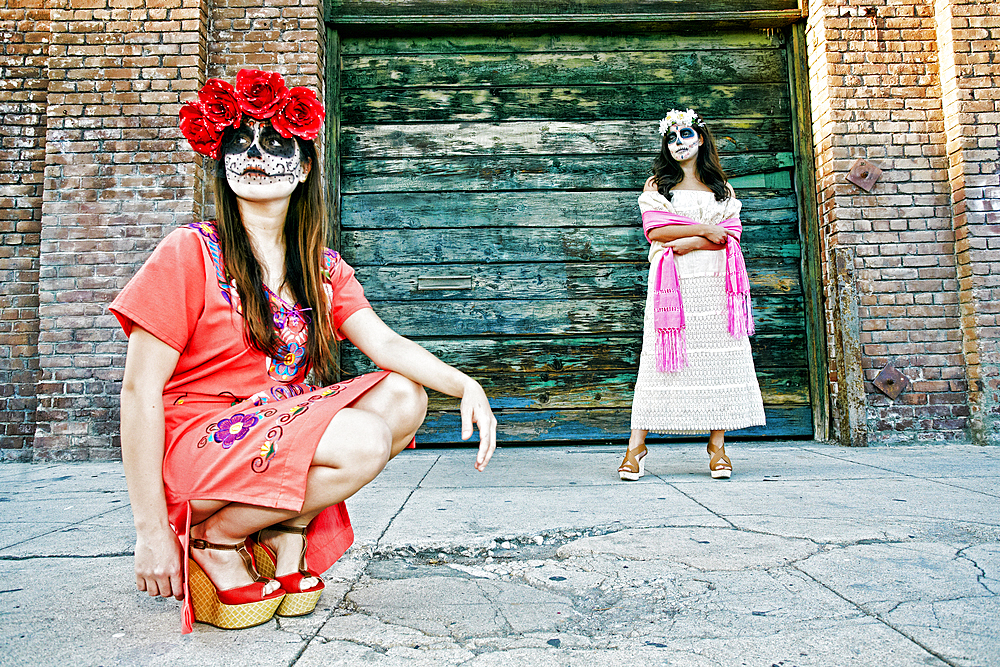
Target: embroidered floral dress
718	388
240	426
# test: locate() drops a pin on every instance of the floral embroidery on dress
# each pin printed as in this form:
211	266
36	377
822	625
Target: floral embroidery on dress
268	448
234	428
211	236
290	322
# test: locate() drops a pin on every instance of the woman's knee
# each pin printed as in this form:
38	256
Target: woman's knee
407	397
357	441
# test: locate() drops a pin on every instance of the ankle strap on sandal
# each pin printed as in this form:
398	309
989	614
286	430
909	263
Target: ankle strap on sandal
298	530
282	528
239	547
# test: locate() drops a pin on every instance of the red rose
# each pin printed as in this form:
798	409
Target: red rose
203	135
218	100
301	115
260	93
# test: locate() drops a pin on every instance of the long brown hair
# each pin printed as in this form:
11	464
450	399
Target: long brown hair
305	243
669	173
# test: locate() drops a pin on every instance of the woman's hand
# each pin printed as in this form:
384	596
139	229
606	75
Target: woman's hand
717	234
158	564
651	185
685	245
476	409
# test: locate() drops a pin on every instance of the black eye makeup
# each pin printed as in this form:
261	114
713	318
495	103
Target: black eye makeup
275	144
270	142
684	133
241	140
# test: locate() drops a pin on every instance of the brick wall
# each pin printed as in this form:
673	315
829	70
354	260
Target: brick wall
24	34
115	184
877	95
96	173
119	176
968	39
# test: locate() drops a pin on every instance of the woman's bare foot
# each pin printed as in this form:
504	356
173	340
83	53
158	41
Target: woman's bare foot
225	568
288	547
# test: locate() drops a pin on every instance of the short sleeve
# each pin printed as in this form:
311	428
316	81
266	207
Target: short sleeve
166	297
347	295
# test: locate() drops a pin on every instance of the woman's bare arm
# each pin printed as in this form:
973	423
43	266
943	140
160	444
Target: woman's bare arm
392	352
149	363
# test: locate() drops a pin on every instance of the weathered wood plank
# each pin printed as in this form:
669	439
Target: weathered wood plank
812	242
772	313
548	280
602	208
570	354
467	70
398	140
560	42
529	172
594	424
486	8
562	103
560	391
567	391
426	247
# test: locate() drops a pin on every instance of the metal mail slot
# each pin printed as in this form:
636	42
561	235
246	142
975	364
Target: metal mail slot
425	283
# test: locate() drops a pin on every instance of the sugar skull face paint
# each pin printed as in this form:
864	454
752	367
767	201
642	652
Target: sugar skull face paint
260	163
683	142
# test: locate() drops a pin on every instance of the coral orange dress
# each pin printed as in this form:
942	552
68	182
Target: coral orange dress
240	426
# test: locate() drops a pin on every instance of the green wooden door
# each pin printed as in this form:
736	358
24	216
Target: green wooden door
488	202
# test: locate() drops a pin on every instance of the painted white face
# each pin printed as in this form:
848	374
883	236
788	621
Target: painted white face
683	142
261	164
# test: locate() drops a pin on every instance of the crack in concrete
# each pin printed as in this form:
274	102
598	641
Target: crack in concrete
402	505
903	474
675	487
54	556
66	526
961	555
878	617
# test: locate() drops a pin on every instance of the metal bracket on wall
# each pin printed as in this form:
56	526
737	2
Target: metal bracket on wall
890	381
864	175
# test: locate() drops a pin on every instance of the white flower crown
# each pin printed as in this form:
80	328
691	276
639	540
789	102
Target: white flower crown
681	119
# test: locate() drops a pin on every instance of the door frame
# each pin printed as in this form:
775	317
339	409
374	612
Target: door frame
791	21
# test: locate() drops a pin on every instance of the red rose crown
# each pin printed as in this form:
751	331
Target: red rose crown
258	94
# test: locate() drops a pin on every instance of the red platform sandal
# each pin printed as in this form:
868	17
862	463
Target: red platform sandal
296	602
233	608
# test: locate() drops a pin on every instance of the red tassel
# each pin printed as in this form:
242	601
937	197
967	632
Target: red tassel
187	616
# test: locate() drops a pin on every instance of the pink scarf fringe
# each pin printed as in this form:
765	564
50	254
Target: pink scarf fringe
668	309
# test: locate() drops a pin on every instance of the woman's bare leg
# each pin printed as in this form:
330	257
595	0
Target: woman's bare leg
637	438
352	451
402	404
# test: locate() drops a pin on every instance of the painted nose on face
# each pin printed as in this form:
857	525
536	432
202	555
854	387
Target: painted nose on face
253	151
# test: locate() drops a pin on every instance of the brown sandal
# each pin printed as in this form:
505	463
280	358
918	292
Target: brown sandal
719	464
634	465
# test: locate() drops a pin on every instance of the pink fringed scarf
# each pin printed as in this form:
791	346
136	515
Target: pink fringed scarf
668	310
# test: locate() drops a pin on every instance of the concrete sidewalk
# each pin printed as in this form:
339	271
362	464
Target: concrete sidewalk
810	555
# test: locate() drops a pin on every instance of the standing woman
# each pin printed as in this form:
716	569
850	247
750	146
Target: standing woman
696	371
237	469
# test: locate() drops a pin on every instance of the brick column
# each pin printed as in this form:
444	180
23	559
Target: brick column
286	36
24	50
968	39
876	95
117	179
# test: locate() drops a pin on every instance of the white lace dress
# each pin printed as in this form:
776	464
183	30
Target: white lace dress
718	388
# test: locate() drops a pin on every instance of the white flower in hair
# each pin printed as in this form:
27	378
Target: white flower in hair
676	117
